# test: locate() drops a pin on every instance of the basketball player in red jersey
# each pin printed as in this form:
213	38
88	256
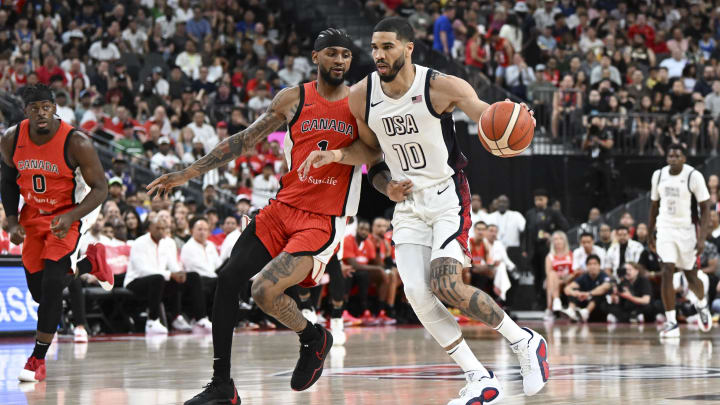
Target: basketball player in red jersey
292	239
40	160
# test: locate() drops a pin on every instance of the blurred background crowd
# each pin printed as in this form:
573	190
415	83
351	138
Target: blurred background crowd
158	83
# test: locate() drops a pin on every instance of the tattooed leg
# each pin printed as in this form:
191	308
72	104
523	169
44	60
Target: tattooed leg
268	290
447	284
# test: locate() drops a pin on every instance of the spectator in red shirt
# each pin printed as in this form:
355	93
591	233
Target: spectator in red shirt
479	252
229	224
253	83
359	252
382	252
641	27
49	69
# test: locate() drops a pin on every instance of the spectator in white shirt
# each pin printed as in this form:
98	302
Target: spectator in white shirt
63	111
189	60
288	75
153	273
588	247
265	186
477	212
164	158
675	64
500	262
137	39
260	102
104	50
199	255
232	237
510	223
205	133
624	250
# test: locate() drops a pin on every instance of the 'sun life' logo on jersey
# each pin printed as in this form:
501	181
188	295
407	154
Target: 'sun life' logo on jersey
400	125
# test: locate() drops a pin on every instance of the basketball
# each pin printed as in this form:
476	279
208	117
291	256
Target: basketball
506	129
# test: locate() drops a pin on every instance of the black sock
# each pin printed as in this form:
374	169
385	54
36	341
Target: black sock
305	304
309	334
336	312
221	369
84	266
40	349
384	306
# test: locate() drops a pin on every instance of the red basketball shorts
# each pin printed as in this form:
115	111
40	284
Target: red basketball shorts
40	243
282	228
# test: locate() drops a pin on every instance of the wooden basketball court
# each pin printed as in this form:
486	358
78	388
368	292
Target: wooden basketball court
589	365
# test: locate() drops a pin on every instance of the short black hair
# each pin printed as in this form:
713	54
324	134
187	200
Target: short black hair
400	26
584	234
479	223
540	192
678	146
38	92
622	227
196	219
593	257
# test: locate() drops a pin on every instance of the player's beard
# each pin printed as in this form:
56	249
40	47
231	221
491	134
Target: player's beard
394	69
329	79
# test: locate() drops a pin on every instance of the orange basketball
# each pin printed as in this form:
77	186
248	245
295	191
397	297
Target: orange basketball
506	129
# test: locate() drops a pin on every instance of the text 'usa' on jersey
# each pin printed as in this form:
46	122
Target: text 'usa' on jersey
320	124
419	143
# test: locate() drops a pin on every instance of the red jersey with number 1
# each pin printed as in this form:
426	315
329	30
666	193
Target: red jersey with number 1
46	179
320	124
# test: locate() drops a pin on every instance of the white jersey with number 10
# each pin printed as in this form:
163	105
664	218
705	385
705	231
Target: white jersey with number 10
418	142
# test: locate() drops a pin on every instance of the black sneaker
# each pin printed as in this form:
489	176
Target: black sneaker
310	364
216	392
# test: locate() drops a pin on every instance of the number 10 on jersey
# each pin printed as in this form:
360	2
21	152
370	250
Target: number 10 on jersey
410	155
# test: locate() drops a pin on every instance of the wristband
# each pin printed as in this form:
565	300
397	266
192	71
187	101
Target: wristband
377	169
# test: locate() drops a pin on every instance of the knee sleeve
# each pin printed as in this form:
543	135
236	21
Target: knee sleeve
414	266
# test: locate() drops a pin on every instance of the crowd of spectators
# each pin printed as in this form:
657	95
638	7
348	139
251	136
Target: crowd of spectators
645	72
162	82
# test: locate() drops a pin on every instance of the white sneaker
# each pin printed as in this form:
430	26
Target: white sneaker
641	318
612	318
81	335
203	326
704	319
532	353
337	327
181	325
670	330
557	305
549	315
155	328
321	319
310	315
571	313
584	314
485	390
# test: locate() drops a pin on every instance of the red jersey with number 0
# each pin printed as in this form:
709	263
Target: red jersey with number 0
320	124
46	179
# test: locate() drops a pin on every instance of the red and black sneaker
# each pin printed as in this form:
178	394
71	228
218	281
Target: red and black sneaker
34	370
216	392
102	272
312	357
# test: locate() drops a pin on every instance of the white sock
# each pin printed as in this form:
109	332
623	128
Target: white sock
465	358
557	303
702	303
511	331
670	316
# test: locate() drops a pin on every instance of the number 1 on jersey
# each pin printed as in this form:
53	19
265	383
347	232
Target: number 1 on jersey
323	144
410	155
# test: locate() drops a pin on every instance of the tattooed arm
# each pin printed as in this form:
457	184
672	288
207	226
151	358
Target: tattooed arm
281	111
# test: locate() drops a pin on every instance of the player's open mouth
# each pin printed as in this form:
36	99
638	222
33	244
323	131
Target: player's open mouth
338	70
42	124
382	68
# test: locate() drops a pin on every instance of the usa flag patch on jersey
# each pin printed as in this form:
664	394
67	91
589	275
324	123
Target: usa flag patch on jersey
417	99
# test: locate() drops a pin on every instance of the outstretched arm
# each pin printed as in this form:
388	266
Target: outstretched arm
280	111
83	155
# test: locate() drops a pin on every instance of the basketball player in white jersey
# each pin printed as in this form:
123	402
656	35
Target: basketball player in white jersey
404	112
671	213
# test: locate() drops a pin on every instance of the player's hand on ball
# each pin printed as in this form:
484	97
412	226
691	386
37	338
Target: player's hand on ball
163	185
399	190
17	234
316	158
532	113
60	225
